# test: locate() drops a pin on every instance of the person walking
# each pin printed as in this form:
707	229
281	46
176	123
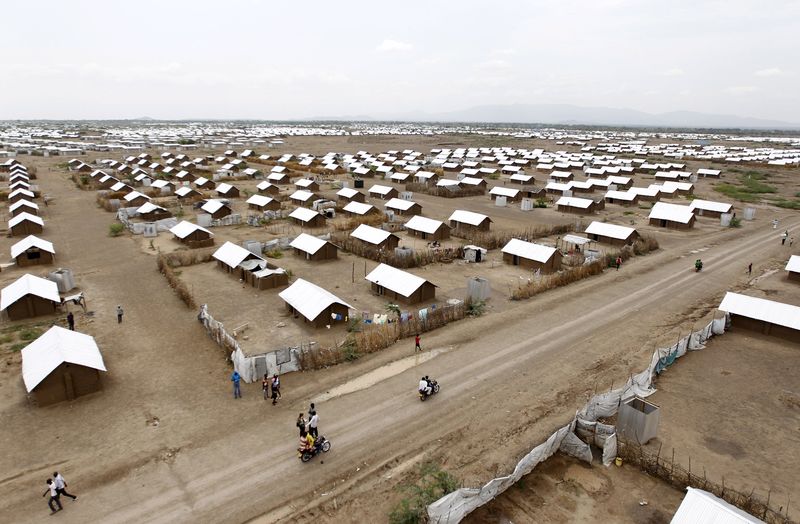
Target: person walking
53	501
276	388
265	386
750	269
301	424
313	422
417	347
61	485
618	262
71	321
791	241
119	314
311	409
236	378
783	239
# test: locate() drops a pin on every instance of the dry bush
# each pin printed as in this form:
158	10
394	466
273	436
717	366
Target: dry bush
554	280
444	192
496	240
178	285
187	257
376	337
419	257
350	223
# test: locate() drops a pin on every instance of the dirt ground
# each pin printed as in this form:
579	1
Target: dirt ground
164	440
566	490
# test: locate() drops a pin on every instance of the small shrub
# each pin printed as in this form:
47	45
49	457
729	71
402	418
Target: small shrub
476	308
735	222
30	334
433	484
115	229
274	253
349	350
541	203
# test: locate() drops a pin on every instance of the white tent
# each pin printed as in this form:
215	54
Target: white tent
56	346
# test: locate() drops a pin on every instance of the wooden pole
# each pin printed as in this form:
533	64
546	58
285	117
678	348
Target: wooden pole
672	468
354	273
766	506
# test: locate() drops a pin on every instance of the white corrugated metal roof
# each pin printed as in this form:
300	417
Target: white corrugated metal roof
133	195
303	214
302	195
347	192
309	299
259	200
183	191
19	203
504	191
398	203
710	205
308	243
56	346
702	507
370	234
609	230
358	208
28	285
379	189
671	212
583	203
264	185
184	229
467	217
424	225
232	255
529	250
761	309
149	207
793	265
212	206
395	279
29	242
22	217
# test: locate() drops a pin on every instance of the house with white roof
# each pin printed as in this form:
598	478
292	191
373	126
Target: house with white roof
236	260
709	208
611	233
29	296
427	228
23	206
216	208
375	237
510	194
192	235
307	217
403	207
359	209
33	250
529	255
793	267
316	305
702	507
580	206
622	198
262	203
24	224
383	192
764	316
468	221
671	216
395	284
61	365
313	248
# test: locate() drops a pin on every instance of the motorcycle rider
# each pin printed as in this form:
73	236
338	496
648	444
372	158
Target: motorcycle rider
424	386
306	442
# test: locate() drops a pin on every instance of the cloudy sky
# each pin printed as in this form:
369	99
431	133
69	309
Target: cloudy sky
283	60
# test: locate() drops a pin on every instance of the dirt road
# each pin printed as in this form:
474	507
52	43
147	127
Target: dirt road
508	381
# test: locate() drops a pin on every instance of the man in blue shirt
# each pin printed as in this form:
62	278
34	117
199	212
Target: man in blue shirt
235	378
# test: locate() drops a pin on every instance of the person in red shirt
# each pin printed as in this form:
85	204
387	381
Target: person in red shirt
417	347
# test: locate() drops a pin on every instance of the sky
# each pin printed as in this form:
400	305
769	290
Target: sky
259	59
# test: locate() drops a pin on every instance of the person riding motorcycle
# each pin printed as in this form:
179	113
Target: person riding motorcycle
424	386
306	442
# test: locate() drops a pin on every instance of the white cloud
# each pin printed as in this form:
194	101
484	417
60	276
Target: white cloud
675	71
494	64
741	90
394	45
507	51
771	71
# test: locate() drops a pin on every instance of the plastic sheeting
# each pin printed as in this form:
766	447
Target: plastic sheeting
572	439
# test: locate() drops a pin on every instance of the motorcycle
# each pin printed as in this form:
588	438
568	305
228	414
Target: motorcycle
322	445
698	265
434	390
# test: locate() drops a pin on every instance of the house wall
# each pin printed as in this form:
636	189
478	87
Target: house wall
221	213
45	257
576	210
552	265
26	228
442	233
765	328
615	241
67	382
416	209
795	276
673	225
25	209
483	226
30	306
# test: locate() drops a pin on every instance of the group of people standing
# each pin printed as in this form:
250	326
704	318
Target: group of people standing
56	487
270	386
308	428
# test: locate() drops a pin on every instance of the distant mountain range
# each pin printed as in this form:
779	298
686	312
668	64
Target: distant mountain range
565	114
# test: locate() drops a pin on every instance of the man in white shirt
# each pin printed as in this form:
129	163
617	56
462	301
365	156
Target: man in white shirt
61	485
424	387
51	489
312	424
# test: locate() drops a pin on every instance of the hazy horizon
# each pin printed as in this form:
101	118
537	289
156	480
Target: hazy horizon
255	60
